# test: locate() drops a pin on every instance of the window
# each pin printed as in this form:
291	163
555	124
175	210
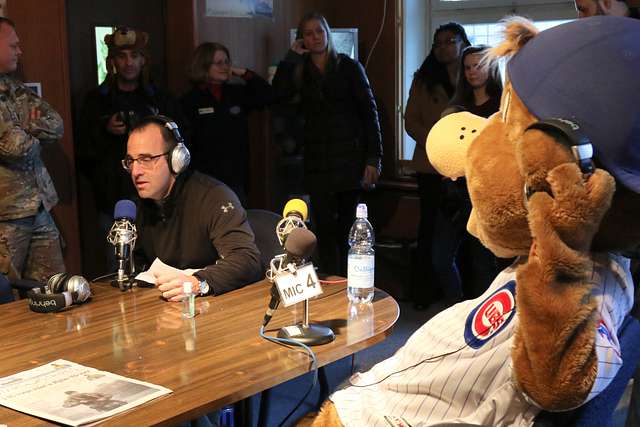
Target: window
101	51
490	33
481	20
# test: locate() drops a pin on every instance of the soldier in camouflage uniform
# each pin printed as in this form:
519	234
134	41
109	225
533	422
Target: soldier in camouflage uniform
29	239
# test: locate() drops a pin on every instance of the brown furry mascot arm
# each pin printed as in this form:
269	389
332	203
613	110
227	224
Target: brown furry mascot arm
554	356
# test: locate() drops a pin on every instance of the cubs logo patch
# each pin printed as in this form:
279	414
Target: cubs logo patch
491	316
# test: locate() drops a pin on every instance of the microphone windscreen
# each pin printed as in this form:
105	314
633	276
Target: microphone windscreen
300	243
125	209
296	206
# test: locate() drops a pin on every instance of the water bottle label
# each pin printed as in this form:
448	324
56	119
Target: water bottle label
360	271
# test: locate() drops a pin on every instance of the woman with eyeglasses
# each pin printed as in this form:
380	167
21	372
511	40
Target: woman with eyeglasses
432	87
217	108
342	140
463	266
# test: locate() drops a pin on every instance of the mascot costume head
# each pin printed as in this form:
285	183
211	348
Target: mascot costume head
554	177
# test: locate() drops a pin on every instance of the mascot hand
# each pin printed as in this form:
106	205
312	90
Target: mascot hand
567	220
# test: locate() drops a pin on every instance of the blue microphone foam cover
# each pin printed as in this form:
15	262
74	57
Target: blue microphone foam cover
125	209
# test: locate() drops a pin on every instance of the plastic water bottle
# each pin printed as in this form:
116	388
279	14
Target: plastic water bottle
361	259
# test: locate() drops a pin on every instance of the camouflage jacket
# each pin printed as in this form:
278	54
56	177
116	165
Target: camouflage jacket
24	180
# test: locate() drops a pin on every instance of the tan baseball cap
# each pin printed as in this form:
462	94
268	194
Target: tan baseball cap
126	38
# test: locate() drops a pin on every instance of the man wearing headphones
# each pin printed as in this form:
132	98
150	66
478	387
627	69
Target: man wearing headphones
185	218
108	114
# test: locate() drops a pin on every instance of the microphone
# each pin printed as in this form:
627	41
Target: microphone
122	236
299	246
294	215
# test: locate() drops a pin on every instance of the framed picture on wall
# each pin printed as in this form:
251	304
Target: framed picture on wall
239	8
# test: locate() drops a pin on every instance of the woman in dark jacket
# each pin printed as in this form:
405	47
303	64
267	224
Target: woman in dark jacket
217	108
432	87
342	141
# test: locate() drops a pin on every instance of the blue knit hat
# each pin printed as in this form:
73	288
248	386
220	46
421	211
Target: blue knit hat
588	70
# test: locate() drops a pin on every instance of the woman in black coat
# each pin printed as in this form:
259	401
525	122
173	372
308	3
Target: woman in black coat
217	108
342	141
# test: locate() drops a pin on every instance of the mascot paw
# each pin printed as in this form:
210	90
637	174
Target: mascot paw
571	215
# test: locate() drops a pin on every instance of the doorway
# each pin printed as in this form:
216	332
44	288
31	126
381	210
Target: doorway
83	16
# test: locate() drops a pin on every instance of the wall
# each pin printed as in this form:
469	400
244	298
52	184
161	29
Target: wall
42	29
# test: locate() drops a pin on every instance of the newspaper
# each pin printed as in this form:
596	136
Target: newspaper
158	268
74	394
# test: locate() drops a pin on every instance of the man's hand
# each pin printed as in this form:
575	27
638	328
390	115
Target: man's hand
171	285
115	125
370	177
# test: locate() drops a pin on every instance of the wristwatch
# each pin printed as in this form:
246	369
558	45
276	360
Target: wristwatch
203	286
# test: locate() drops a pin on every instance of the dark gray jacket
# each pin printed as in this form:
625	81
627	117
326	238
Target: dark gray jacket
341	131
201	224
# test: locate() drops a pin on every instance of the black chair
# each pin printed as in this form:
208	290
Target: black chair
264	223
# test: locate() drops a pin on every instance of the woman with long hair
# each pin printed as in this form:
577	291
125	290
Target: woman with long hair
342	140
432	87
217	108
479	86
463	266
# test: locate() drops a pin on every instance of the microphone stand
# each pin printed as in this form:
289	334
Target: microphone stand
307	333
124	241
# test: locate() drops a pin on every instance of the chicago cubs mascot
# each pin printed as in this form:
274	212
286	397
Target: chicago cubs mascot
554	179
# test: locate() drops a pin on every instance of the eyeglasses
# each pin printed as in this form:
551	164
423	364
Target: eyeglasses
447	42
223	63
146	161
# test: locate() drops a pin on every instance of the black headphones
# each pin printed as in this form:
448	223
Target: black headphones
61	291
569	133
179	157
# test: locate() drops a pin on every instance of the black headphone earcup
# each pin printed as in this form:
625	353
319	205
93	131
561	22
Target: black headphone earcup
57	283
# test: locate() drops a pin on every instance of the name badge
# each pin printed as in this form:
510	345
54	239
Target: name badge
208	110
298	286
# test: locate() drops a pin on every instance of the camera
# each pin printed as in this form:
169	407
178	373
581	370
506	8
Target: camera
129	118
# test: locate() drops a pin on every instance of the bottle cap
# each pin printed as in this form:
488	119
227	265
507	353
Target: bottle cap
187	288
361	211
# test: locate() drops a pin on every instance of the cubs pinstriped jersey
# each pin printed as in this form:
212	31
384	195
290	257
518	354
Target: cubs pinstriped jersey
456	369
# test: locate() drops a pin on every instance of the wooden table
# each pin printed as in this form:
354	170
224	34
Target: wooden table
210	361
